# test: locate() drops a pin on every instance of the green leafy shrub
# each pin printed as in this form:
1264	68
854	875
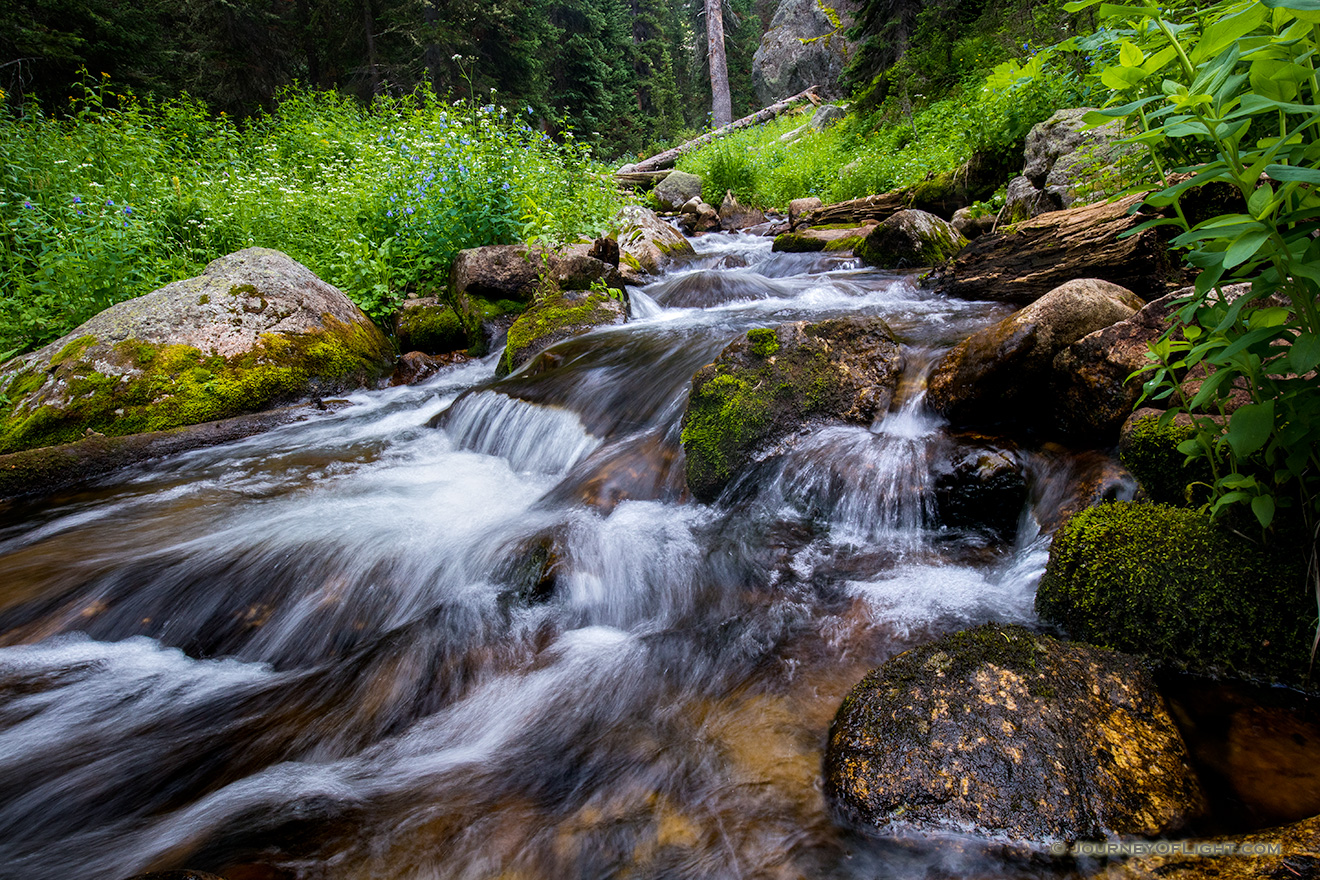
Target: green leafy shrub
122	196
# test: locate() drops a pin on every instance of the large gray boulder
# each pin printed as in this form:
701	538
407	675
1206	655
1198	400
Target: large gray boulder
1066	162
647	244
1004	373
254	329
784	64
675	190
1001	732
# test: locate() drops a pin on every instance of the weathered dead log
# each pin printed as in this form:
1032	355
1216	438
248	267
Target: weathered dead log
855	212
644	179
669	157
1037	255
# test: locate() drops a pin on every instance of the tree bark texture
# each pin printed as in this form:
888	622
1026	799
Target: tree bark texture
669	157
721	105
855	212
1037	255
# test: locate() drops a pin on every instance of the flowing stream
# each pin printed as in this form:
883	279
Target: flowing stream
475	629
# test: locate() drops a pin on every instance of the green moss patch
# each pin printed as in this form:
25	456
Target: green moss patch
1150	452
555	315
431	329
1166	582
167	386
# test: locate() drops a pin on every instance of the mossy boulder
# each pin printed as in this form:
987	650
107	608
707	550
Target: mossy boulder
676	188
1149	450
1004	373
647	244
910	238
771	382
555	315
1006	733
429	326
841	238
254	329
1188	593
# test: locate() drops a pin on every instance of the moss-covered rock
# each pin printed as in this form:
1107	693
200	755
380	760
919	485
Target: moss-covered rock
833	239
558	314
1167	582
431	327
908	239
646	243
770	382
256	328
1150	451
1002	732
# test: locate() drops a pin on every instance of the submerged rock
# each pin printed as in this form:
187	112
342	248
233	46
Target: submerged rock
910	238
254	329
556	315
771	382
1168	583
1004	373
980	483
1001	732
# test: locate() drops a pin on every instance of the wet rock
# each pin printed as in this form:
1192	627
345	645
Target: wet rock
1232	857
646	243
1073	481
676	189
1150	452
1002	732
735	216
712	288
1188	593
1066	161
416	367
177	875
1004	372
980	483
1095	396
801	49
514	272
426	325
798	207
256	328
910	238
697	216
556	315
822	238
771	382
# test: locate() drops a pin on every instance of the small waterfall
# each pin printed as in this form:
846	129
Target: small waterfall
544	439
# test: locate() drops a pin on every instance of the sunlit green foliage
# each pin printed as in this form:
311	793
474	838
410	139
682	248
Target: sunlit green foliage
112	203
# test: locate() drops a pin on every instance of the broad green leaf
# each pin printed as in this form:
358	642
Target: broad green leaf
1158	61
1129	55
1227	31
1292	172
1260	200
1117	10
1120	78
1244	247
1305	353
1249	427
1263	507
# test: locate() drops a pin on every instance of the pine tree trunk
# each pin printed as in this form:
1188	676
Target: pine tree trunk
721	106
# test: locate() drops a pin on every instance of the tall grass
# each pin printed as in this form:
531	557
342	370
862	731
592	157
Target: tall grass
121	196
885	150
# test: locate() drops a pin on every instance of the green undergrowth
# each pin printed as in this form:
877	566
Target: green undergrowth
892	147
151	387
121	196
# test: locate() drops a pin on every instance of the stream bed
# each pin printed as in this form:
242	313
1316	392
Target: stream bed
360	646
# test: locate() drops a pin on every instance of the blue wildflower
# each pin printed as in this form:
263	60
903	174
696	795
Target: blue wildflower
27	203
77	200
127	210
110	203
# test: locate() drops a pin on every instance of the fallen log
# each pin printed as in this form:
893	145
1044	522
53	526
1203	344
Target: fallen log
1035	256
668	157
855	212
644	179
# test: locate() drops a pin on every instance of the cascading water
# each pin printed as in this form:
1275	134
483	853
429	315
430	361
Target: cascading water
476	629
